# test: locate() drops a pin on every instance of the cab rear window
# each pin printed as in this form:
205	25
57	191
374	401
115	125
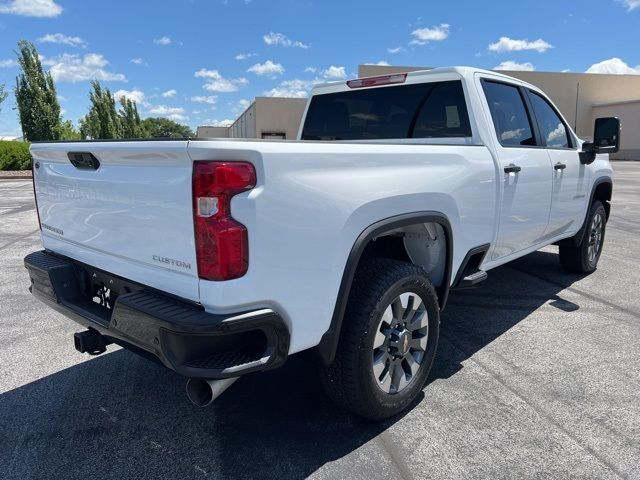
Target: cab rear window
425	110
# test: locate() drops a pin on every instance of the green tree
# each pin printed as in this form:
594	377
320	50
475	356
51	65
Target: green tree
69	132
158	127
102	121
131	126
38	105
3	95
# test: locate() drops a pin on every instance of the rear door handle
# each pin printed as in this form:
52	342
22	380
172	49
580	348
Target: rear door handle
559	166
511	168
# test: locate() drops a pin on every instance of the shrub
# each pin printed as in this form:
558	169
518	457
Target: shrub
14	156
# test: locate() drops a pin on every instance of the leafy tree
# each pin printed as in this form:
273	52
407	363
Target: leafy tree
3	95
69	132
131	126
38	105
102	121
158	127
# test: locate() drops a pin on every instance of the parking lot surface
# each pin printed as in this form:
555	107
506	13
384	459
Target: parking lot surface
537	375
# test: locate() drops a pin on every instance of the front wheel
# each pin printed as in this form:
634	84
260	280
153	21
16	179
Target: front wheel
584	257
388	340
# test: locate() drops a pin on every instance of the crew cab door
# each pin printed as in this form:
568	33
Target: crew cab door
525	169
570	177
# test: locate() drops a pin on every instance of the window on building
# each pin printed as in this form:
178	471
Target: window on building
551	125
424	110
509	114
274	135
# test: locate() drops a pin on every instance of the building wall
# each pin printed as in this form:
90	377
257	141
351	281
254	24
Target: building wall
629	114
206	131
279	115
245	125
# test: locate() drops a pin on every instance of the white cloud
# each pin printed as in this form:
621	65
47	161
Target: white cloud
63	39
162	41
511	65
422	36
217	83
173	113
244	56
334	72
211	99
557	133
381	63
267	68
506	44
227	122
8	63
310	70
169	93
395	50
76	68
614	66
240	106
273	38
134	95
32	8
137	61
291	88
631	4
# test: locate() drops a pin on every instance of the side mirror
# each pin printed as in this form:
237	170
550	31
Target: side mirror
606	139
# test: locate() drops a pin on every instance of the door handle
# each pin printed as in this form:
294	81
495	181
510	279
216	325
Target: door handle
559	166
511	168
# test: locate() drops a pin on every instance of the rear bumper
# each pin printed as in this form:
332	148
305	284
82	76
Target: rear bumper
180	334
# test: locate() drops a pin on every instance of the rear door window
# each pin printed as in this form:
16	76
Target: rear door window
425	110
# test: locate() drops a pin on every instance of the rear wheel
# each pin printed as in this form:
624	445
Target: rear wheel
584	257
388	340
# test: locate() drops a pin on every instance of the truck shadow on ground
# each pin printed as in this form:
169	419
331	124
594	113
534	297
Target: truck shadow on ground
120	416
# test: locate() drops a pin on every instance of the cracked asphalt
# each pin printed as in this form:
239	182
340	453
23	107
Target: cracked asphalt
537	375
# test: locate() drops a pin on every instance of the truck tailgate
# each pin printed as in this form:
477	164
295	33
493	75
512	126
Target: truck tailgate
129	214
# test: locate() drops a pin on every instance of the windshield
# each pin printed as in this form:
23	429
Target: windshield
424	110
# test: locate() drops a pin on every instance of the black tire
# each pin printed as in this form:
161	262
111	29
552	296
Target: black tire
581	258
350	380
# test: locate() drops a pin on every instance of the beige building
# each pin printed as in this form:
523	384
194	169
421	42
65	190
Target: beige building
581	97
266	117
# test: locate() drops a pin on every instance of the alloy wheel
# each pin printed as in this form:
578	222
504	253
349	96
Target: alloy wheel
400	342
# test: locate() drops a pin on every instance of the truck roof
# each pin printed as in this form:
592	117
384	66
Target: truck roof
416	75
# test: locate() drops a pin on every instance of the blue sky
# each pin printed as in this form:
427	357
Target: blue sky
202	62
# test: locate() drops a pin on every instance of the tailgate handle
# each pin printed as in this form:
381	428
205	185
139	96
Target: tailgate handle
83	160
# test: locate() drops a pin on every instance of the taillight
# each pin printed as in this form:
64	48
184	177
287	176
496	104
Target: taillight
222	245
377	81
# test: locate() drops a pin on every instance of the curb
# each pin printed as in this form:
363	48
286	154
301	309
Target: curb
16	175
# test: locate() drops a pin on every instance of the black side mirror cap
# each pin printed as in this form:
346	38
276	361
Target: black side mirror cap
606	139
606	135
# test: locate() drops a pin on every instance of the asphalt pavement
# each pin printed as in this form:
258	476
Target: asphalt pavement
537	375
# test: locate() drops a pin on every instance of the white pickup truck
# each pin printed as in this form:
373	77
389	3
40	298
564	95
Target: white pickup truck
222	257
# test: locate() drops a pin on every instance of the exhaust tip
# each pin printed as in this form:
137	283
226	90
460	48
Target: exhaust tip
199	392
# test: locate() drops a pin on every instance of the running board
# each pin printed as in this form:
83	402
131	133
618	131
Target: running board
473	279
